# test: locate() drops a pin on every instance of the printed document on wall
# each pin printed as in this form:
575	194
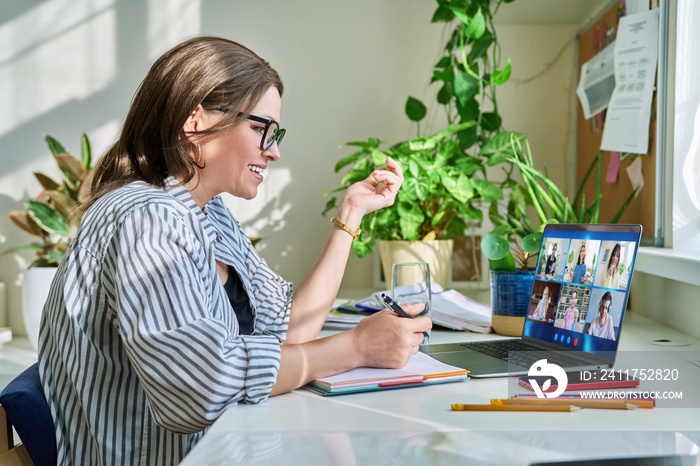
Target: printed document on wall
597	82
636	51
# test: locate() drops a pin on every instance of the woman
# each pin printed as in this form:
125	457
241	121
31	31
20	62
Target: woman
611	278
551	261
580	267
603	326
571	314
541	311
162	314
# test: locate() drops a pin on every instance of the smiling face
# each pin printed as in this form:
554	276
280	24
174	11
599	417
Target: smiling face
582	255
232	159
614	259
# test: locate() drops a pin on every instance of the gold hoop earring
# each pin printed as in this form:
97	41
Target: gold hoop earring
199	154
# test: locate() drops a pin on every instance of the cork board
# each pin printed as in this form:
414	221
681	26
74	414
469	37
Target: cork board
590	133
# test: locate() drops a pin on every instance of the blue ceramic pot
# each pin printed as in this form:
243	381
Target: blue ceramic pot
510	292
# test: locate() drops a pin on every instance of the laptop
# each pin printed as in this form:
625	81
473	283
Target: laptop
576	305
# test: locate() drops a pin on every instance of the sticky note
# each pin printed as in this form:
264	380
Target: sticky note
634	171
613	168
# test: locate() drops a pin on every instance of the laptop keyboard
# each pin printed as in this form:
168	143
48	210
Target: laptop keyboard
523	354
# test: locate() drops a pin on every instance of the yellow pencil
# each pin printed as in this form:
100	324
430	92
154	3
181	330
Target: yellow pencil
505	407
595	404
583	403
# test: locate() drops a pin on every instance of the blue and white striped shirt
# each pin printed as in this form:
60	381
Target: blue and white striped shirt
139	348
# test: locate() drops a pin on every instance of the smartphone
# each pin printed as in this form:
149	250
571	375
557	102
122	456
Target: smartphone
584	380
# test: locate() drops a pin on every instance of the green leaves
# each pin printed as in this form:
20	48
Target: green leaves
538	191
445	174
532	242
495	247
476	25
415	110
52	216
488	191
86	152
499	77
47	218
466	87
499	148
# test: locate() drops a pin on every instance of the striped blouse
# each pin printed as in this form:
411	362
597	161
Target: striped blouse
139	350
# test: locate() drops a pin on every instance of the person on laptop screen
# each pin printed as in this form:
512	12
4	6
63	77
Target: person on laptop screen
580	267
571	313
603	326
162	314
611	277
541	310
551	266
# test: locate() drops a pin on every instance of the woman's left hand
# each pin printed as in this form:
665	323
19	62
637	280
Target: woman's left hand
378	190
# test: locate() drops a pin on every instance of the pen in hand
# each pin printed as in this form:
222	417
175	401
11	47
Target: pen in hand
394	306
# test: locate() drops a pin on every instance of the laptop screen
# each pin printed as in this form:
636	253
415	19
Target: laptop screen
581	286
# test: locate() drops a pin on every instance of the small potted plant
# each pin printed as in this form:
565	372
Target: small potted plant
51	218
515	241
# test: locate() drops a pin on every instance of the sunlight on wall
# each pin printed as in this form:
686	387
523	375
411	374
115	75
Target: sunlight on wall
59	51
267	210
169	22
686	144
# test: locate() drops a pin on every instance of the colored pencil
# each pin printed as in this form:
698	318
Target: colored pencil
592	404
489	407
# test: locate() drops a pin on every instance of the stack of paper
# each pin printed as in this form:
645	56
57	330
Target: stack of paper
420	370
345	315
450	309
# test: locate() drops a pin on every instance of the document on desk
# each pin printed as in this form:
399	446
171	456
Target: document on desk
449	309
420	370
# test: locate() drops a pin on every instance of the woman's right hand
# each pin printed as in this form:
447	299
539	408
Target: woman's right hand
387	340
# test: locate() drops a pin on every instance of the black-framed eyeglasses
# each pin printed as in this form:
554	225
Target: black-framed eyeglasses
270	134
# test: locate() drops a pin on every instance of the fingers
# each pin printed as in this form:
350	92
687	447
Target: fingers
413	309
386	340
394	166
383	175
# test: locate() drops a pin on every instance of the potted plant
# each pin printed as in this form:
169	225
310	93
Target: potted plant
445	174
51	217
515	241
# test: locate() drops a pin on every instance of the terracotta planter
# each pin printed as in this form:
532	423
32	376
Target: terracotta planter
437	253
35	290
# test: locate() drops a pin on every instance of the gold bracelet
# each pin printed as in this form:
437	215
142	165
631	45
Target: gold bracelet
354	234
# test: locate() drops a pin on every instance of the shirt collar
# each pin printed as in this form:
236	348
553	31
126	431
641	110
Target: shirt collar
179	192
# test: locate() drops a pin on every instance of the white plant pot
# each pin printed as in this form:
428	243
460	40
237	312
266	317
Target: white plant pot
35	290
437	253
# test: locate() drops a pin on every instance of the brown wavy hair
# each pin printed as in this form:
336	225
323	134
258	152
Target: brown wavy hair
214	72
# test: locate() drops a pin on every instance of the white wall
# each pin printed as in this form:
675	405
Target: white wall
72	65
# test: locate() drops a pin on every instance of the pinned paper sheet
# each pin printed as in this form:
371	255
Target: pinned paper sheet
613	168
634	171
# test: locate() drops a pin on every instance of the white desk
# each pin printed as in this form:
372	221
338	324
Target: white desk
15	357
416	426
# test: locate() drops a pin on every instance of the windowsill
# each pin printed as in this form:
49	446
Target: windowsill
676	264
